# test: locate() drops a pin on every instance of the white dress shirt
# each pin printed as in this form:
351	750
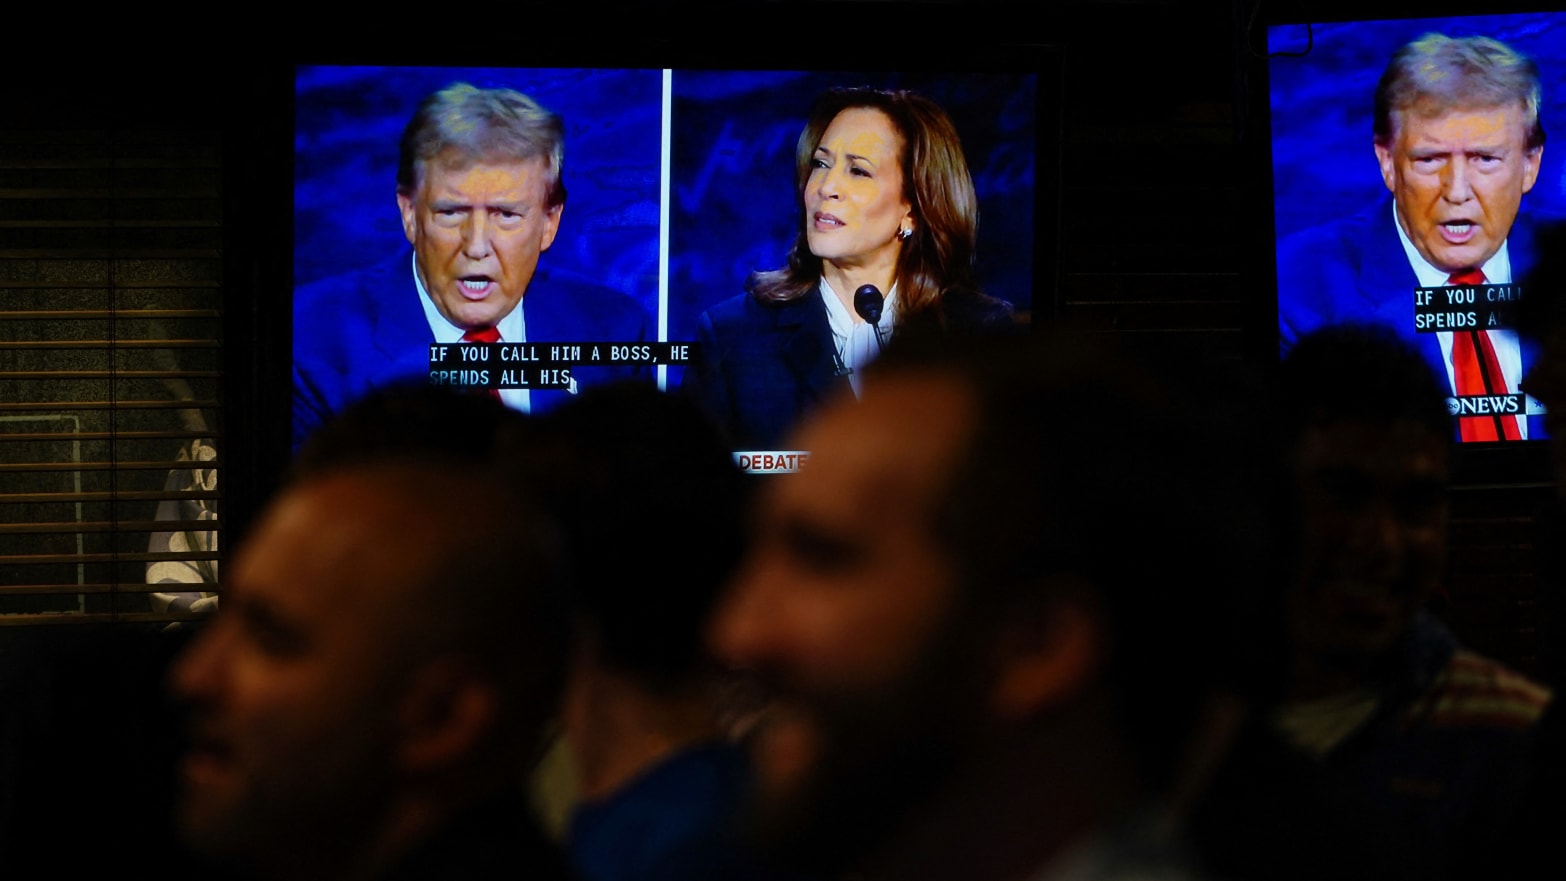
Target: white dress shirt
512	327
1497	270
854	338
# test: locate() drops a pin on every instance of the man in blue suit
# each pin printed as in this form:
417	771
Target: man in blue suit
1459	141
480	195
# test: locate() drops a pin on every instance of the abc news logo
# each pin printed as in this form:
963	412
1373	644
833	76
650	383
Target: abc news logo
1487	405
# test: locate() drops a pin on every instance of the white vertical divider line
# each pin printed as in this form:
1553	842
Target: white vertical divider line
663	223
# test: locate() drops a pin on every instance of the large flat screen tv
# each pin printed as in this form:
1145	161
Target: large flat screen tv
679	183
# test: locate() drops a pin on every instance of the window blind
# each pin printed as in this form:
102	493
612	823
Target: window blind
110	374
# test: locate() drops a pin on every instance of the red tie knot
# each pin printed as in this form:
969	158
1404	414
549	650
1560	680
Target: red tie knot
1467	277
482	335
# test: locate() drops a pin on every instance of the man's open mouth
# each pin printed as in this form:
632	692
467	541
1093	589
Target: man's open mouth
1458	231
475	287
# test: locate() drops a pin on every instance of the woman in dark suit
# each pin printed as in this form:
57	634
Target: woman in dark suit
887	228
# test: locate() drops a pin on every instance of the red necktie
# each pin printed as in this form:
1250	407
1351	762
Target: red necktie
489	334
1478	372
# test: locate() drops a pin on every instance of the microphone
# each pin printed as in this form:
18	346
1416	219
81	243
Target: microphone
867	302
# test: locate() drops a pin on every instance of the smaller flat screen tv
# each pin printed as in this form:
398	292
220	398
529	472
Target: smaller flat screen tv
1428	225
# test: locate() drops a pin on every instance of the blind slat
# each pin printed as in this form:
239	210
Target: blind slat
95	526
108	344
111	496
134	557
109	374
110	254
74	618
107	587
103	314
171	434
52	406
110	223
104	286
170	465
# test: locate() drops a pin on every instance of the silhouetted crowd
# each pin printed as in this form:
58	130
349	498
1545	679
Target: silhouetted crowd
1036	607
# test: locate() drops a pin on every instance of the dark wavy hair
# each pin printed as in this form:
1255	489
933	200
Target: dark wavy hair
939	256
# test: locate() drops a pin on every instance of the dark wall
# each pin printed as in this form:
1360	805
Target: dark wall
1161	212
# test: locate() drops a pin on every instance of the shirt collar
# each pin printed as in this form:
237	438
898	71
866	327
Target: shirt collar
1497	270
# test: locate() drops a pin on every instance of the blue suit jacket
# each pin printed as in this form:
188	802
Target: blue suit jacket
1356	270
759	367
365	329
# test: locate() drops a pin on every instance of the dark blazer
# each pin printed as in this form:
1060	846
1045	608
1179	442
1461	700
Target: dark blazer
1356	270
760	366
365	329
